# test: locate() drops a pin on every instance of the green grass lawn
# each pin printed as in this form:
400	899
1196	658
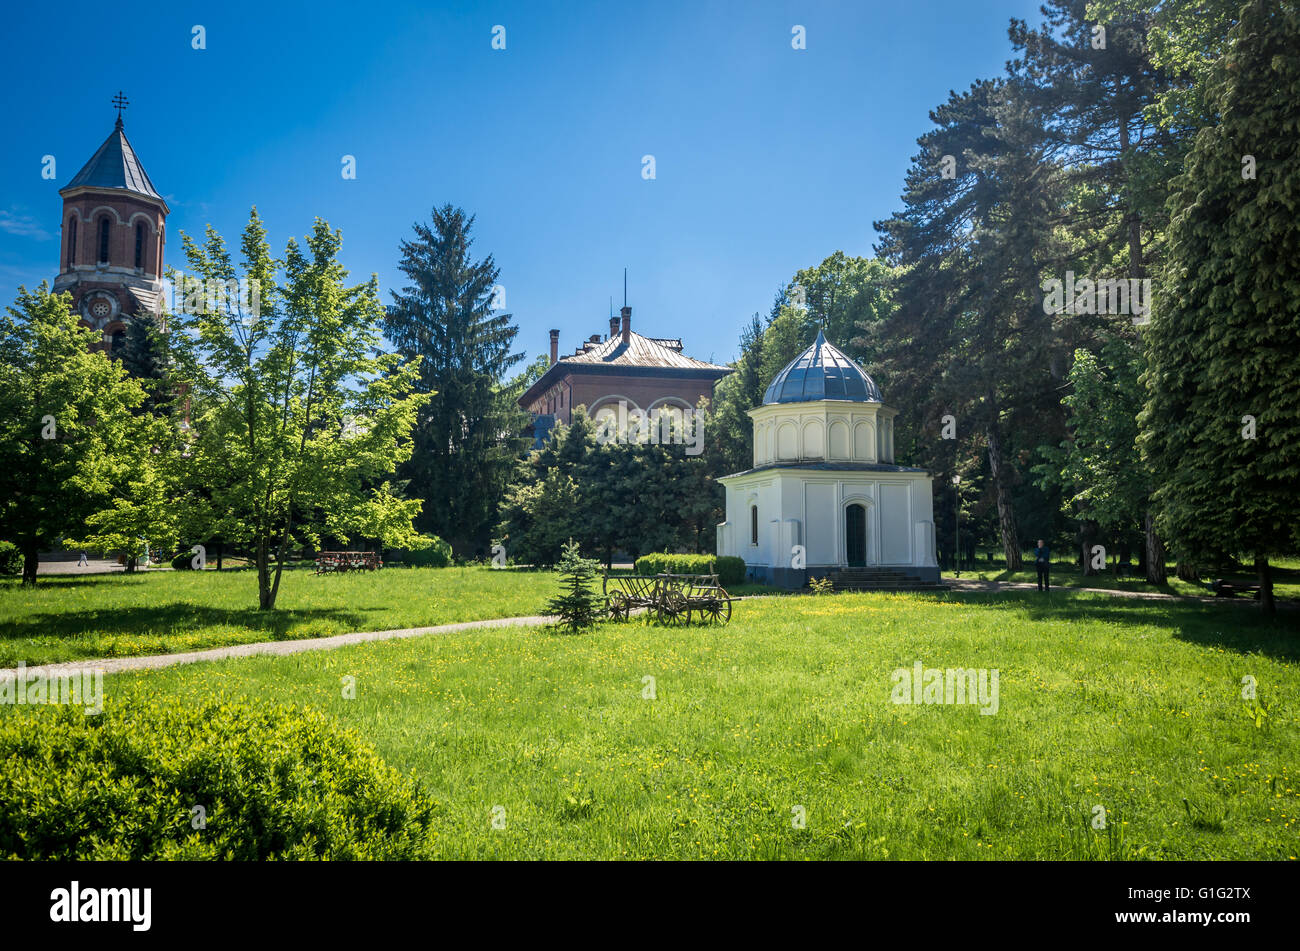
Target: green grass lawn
160	612
1130	705
71	618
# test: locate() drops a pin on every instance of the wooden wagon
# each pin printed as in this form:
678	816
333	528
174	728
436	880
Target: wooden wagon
328	561
672	599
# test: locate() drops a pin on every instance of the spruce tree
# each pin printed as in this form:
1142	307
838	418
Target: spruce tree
578	606
466	441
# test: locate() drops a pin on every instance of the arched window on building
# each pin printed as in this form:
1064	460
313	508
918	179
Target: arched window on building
139	244
72	241
116	342
103	240
753	524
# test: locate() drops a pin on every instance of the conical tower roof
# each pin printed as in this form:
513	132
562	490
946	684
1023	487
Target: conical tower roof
115	165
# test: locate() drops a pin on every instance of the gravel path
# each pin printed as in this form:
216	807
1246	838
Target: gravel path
113	665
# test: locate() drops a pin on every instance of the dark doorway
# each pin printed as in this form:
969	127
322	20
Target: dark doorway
855	535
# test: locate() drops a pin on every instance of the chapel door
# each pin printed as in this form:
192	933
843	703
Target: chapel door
855	535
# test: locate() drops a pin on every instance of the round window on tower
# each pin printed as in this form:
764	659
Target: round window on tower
101	308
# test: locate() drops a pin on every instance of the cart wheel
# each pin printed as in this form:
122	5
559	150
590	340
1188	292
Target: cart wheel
618	606
716	610
673	609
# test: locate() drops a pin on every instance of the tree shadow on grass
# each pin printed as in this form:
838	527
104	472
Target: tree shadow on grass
1236	627
180	618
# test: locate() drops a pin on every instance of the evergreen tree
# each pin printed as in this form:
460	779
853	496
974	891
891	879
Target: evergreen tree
145	356
578	606
1222	344
466	441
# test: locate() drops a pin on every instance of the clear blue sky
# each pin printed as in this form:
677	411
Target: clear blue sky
768	159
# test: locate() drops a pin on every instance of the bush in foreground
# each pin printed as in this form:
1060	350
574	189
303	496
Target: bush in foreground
728	568
275	782
436	554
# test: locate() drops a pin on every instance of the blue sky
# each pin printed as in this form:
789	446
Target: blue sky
767	158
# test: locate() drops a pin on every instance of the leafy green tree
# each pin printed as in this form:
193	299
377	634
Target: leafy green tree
1099	468
67	428
299	420
466	442
1223	341
578	606
144	516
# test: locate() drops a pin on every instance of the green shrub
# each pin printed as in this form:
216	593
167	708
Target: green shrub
184	561
276	782
437	554
728	568
11	559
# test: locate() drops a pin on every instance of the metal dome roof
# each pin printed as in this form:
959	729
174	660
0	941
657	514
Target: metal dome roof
822	372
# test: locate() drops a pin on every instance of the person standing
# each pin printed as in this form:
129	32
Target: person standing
82	562
1043	561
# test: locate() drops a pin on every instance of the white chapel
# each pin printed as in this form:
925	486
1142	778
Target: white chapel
824	497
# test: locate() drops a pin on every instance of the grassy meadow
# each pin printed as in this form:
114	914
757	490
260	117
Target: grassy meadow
159	612
564	744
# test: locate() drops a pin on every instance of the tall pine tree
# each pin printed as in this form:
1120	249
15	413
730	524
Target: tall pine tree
466	442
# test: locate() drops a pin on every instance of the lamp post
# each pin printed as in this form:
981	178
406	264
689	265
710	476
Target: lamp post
956	524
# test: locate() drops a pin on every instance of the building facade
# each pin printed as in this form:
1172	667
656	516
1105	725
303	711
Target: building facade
825	497
627	368
112	238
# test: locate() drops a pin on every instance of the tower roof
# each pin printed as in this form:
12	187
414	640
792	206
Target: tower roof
115	165
822	372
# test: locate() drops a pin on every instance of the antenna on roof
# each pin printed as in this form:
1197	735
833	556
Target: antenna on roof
624	287
611	306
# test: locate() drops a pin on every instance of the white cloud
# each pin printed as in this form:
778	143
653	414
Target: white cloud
24	226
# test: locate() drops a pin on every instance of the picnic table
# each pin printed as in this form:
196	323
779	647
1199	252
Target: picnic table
671	598
328	561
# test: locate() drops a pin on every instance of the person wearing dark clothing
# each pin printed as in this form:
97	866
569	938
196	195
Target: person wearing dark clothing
1043	560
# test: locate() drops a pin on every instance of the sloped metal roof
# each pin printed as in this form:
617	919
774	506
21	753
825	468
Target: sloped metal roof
822	372
638	352
115	165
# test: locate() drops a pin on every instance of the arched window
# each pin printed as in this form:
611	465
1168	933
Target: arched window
139	244
72	242
753	524
116	341
103	240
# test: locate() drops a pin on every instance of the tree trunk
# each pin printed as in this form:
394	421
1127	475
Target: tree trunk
1088	534
1155	550
1187	571
265	601
31	558
1006	518
1266	603
130	565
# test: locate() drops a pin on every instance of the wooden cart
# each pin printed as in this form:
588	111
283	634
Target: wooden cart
672	599
331	561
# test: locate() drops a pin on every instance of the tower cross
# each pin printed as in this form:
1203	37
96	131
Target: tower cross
120	102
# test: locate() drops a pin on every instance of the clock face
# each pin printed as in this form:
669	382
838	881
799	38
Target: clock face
101	308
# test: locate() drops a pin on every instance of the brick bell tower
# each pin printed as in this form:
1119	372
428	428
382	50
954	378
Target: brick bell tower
113	233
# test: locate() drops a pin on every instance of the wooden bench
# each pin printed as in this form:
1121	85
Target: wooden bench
328	561
1223	588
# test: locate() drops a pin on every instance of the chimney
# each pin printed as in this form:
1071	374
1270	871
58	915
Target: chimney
627	324
613	327
555	346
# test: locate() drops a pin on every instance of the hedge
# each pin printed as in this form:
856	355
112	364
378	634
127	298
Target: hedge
276	782
436	555
728	568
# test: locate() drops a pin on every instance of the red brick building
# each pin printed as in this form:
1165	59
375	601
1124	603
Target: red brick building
645	373
113	232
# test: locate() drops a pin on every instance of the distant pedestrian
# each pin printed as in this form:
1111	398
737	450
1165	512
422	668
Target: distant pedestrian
84	562
1043	561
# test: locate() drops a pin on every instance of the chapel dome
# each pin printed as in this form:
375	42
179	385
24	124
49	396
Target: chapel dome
822	372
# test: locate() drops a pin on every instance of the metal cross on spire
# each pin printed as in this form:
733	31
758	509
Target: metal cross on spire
120	102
